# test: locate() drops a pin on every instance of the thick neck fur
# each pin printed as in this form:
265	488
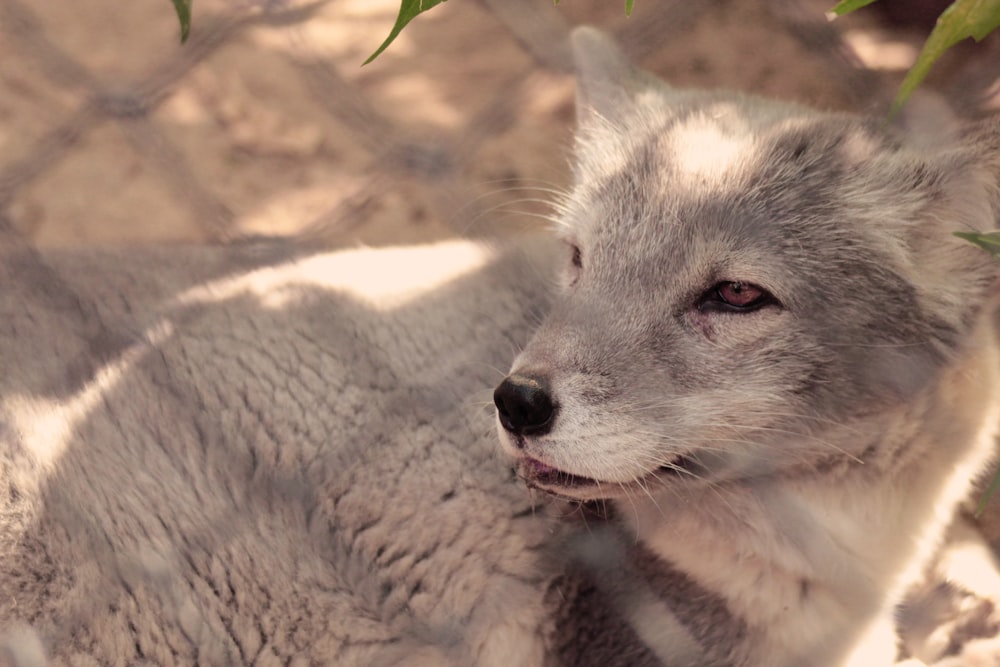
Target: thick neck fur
807	561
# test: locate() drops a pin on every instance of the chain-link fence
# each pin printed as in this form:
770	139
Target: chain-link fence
265	123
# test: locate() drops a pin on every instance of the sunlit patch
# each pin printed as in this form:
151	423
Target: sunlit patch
349	32
46	426
384	278
879	51
284	213
184	107
703	151
346	30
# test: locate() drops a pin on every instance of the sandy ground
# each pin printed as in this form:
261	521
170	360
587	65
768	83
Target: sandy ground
265	122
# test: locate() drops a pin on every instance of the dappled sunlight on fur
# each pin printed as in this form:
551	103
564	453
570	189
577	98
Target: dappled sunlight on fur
383	277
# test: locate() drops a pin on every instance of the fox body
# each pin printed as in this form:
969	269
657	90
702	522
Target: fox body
769	355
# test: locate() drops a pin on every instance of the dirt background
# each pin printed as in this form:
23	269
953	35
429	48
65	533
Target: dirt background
265	123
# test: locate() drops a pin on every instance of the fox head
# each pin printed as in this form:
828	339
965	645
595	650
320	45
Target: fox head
743	281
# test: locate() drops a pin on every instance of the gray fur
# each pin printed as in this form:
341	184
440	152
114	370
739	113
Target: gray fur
210	464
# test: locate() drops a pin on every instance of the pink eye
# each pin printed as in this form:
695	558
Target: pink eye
734	296
739	294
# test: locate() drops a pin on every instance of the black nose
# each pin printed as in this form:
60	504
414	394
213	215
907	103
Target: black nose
525	405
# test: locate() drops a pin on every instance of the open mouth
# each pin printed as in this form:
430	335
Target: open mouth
536	473
542	476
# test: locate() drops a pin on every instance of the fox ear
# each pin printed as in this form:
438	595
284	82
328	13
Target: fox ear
952	275
607	82
982	140
611	94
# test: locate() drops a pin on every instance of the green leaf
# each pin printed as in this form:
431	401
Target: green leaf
962	19
408	10
848	6
628	7
183	9
990	242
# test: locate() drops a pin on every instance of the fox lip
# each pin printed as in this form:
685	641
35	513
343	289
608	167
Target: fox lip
540	475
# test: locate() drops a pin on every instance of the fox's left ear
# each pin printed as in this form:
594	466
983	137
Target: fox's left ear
981	142
964	197
966	154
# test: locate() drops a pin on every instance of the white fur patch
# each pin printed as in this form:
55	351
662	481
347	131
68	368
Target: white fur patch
704	153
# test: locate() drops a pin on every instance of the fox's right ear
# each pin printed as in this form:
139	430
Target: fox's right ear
608	84
610	95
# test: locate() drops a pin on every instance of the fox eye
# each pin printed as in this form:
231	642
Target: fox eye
577	258
734	296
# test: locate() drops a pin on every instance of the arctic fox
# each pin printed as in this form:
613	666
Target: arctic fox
771	359
771	365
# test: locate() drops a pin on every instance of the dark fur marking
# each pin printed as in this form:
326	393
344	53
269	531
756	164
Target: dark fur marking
588	631
704	614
